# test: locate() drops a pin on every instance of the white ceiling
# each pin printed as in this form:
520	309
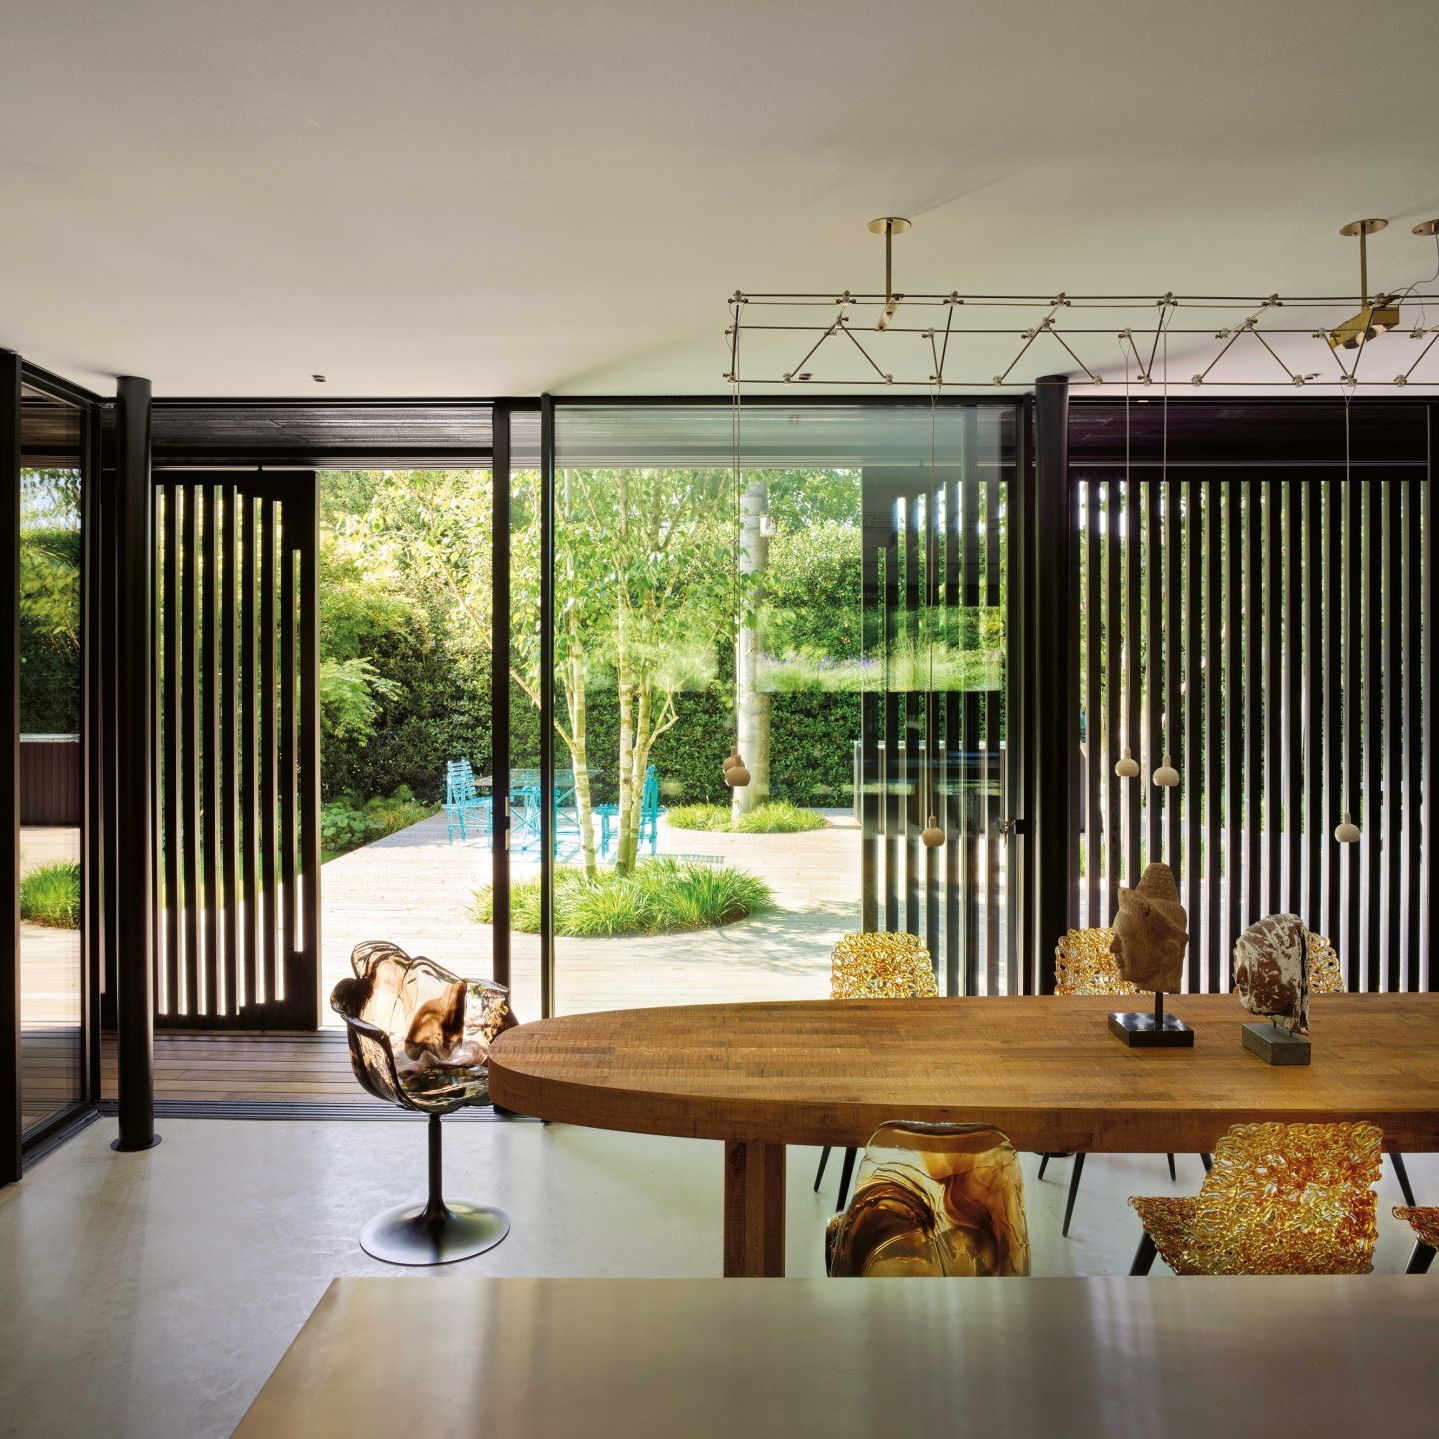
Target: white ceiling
480	197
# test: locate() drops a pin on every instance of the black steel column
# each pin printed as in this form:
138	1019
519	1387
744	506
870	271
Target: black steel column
10	768
1053	712
547	706
306	503
135	931
500	696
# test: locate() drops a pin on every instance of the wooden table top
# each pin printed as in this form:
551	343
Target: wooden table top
1043	1069
707	1359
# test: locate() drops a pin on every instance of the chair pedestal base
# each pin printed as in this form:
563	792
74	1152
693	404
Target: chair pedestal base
414	1234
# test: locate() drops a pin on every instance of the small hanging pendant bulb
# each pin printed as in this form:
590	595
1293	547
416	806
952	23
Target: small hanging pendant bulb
1128	767
1347	832
933	836
1166	775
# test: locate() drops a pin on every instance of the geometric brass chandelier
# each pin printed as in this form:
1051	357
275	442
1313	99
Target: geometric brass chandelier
931	341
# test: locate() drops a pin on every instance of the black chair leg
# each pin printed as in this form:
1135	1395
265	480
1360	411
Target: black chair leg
1402	1175
819	1173
1421	1259
1144	1256
1073	1190
1044	1163
845	1175
1207	1162
1172	1175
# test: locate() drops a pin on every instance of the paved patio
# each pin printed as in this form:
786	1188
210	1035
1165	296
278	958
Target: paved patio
416	889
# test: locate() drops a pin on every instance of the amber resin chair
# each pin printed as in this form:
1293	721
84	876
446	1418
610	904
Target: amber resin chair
932	1200
876	964
1326	976
1424	1221
1280	1199
1084	963
420	1039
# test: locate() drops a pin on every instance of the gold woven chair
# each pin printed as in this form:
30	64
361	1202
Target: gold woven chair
1280	1199
1424	1221
1084	963
876	964
1326	976
944	1200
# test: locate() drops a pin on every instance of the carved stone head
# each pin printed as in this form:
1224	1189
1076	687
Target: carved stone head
1151	932
1271	971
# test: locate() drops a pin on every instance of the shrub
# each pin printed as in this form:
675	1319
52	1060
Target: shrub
51	895
346	824
775	817
661	896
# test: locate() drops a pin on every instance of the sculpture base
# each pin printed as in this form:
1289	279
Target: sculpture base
1139	1031
414	1234
1276	1046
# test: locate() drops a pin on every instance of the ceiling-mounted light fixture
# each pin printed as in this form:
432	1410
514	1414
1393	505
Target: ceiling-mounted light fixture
889	226
1375	316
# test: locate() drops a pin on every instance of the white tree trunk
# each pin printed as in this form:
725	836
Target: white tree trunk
752	708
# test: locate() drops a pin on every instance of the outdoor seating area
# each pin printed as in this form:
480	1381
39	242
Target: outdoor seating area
660	662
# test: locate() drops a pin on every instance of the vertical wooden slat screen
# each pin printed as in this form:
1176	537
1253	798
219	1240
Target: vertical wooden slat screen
940	748
238	750
1275	634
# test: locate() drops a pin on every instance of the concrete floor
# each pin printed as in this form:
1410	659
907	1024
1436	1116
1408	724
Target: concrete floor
151	1294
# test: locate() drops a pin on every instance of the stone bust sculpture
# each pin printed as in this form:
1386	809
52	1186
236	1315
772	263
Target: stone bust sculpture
1151	932
1271	971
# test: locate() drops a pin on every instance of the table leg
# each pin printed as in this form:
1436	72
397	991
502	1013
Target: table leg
753	1210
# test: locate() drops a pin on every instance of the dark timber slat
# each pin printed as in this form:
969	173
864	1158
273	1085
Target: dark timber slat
268	742
894	806
1194	756
993	804
1370	806
190	743
930	777
209	1001
1349	953
1132	790
1293	521
1254	620
1393	732
1431	720
1414	673
1174	662
1114	694
1274	613
249	836
308	620
1334	717
1153	665
1234	702
1219	943
229	807
969	521
285	776
953	742
915	754
872	626
170	763
1313	828
1092	737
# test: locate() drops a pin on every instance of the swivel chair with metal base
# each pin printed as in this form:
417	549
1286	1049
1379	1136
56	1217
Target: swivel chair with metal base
420	1039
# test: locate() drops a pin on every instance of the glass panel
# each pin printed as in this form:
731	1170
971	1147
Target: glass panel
831	610
51	852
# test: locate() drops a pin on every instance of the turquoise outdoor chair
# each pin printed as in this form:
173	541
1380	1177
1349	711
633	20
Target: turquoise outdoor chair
465	810
650	812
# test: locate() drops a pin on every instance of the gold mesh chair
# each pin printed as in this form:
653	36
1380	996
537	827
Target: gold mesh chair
420	1038
1424	1221
1280	1199
932	1200
876	965
1084	963
1326	976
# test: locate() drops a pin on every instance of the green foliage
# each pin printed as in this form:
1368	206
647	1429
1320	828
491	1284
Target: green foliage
346	824
660	896
776	817
50	553
350	695
51	896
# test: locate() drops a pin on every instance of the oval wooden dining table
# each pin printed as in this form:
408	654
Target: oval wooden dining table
1043	1069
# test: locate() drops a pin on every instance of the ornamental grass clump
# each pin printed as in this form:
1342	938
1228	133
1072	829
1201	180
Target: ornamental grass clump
660	896
775	817
51	896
